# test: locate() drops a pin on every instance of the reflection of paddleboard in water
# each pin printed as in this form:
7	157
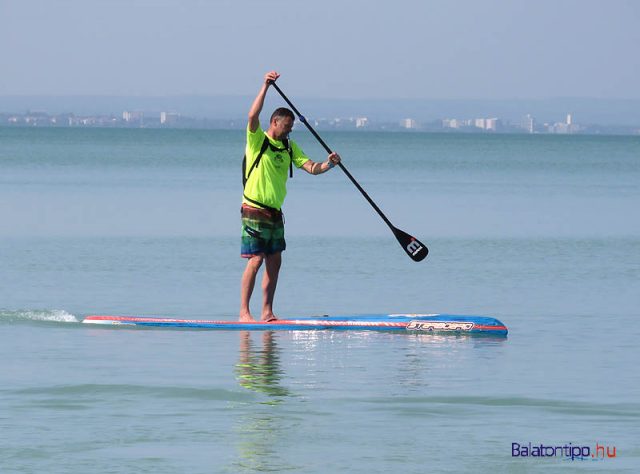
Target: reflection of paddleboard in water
421	323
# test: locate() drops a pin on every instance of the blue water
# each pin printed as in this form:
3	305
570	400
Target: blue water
540	232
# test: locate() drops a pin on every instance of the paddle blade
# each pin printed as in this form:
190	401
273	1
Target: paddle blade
414	248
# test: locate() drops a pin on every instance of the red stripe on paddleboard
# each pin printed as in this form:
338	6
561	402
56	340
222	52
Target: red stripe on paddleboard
283	322
489	328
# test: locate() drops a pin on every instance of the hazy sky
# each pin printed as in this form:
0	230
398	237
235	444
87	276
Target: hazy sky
443	49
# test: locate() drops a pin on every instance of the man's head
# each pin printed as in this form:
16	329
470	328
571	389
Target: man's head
281	123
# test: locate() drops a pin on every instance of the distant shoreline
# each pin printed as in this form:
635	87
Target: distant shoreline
606	112
588	116
13	121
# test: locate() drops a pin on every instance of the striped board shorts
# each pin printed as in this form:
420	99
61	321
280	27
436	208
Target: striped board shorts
262	231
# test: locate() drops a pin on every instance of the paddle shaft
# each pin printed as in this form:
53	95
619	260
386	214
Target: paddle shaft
342	167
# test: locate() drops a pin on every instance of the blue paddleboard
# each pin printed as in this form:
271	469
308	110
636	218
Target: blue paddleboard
439	323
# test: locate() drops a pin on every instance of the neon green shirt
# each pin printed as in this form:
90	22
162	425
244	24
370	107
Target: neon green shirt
268	181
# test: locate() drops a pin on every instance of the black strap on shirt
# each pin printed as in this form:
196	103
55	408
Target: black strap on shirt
265	144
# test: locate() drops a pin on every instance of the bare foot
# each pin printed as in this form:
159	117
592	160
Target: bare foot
245	317
268	318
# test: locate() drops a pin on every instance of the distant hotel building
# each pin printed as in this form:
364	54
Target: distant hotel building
362	122
490	124
529	123
132	116
566	127
453	123
169	118
409	123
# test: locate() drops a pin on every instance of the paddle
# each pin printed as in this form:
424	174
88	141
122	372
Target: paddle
412	246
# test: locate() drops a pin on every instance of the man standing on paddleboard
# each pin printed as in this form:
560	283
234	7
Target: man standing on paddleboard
269	160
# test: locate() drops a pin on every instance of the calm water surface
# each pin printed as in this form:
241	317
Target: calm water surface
538	231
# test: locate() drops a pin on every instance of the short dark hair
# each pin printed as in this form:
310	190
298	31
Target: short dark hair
282	112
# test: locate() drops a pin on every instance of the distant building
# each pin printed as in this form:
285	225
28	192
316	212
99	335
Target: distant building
566	127
528	123
489	124
169	118
362	122
451	123
409	123
132	116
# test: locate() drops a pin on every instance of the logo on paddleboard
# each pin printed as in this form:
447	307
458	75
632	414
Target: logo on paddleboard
439	326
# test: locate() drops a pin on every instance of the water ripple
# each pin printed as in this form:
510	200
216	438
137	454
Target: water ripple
128	390
623	410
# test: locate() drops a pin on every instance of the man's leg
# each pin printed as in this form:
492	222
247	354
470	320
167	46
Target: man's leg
247	284
269	283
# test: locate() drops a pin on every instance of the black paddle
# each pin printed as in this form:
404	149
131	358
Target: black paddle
414	248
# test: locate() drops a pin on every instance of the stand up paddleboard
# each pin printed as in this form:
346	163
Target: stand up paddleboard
435	323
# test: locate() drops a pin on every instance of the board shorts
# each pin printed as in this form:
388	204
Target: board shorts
262	231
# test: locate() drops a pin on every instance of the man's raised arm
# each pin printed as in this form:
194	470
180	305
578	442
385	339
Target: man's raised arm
256	107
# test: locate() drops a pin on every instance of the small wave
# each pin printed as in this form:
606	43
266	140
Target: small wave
47	315
447	404
117	391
